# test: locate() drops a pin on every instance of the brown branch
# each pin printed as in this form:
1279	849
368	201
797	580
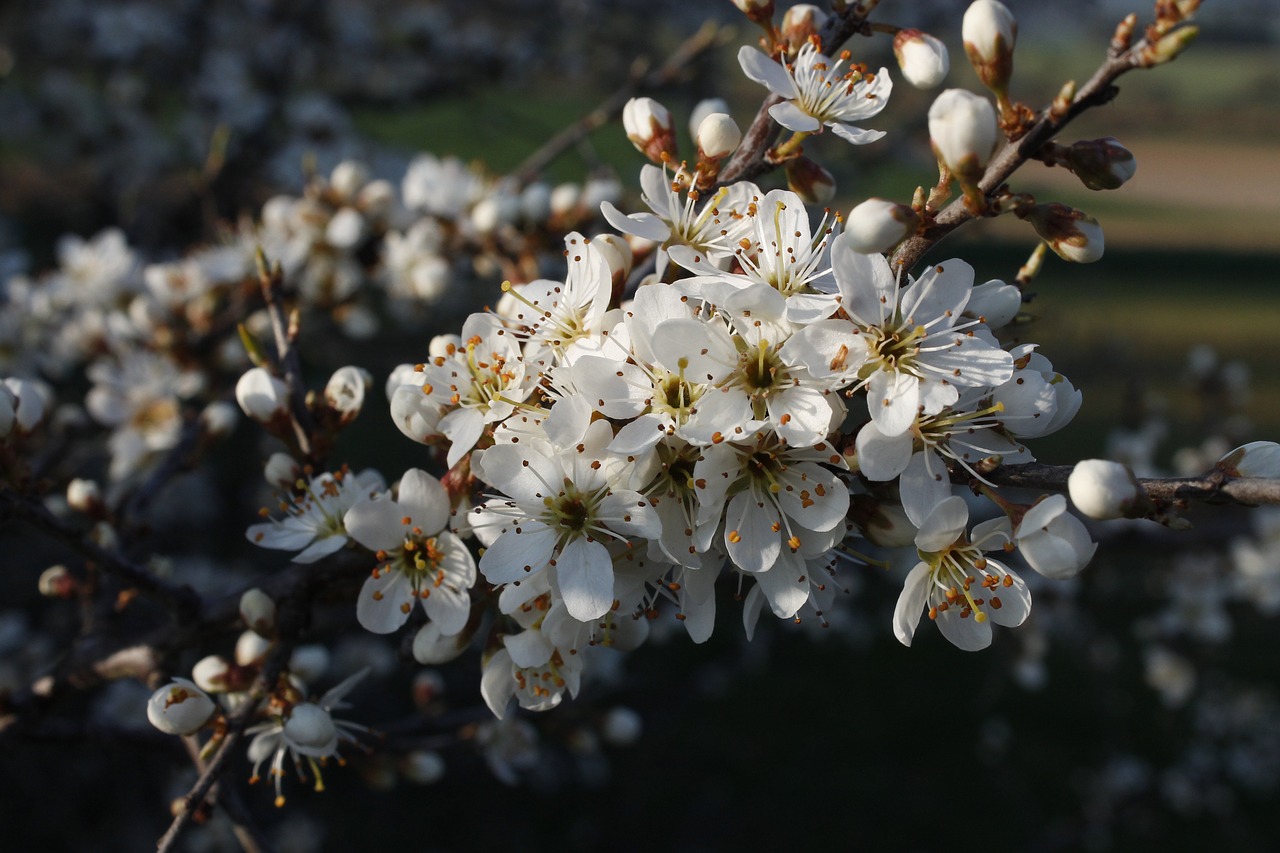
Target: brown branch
642	79
182	601
271	280
1214	487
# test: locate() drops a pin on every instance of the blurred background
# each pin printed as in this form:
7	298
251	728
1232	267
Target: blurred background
1139	708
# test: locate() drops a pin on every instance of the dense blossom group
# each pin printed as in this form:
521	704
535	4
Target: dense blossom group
737	389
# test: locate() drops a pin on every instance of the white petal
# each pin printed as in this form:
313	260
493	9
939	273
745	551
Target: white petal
423	498
964	632
750	538
377	525
520	552
855	135
321	548
496	684
944	525
765	71
792	117
528	648
911	603
923	486
882	457
585	574
384	612
643	225
785	585
893	399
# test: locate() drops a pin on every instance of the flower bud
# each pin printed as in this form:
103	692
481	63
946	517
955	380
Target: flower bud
814	184
262	396
989	32
704	108
800	23
345	391
758	11
282	471
219	419
1255	459
432	648
923	59
1102	489
35	399
1100	164
565	199
621	726
84	496
535	203
179	708
251	648
346	229
718	136
648	126
212	674
309	662
876	225
423	767
258	611
1072	234
415	414
1169	47
56	582
964	133
348	177
311	730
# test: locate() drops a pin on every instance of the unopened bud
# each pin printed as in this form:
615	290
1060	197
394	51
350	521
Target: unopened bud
648	126
346	229
565	199
704	108
423	767
346	389
432	648
923	59
1255	459
1169	47
989	32
964	133
251	648
758	11
56	582
718	136
348	177
219	419
84	496
34	401
212	674
799	24
179	708
282	471
1103	489
1100	164
1072	234
621	726
258	611
876	225
814	184
262	396
309	662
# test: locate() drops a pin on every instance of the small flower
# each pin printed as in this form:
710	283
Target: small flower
302	730
180	708
313	520
419	559
962	590
1053	541
819	91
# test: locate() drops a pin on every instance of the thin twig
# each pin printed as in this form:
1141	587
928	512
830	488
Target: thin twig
644	79
1214	487
182	601
272	282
